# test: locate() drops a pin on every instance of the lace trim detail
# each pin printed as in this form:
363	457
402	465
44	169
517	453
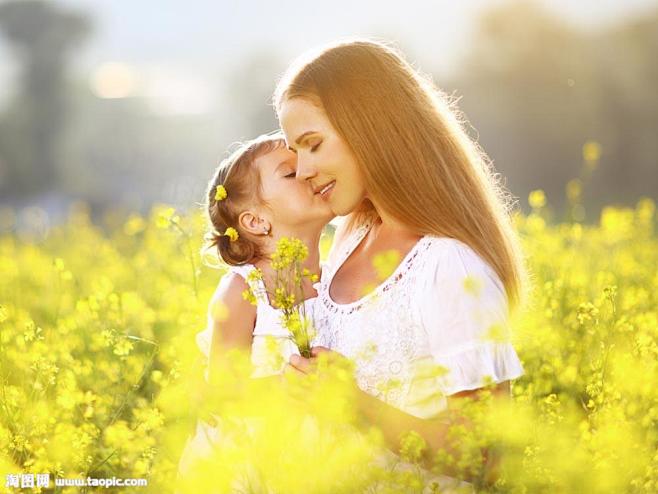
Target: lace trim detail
467	369
404	267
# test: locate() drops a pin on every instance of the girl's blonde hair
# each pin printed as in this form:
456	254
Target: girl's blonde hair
417	160
241	179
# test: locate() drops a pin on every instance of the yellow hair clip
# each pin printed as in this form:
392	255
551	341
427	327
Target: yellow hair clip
232	233
220	193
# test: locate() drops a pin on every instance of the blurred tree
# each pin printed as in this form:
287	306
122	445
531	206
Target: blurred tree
628	74
43	36
250	87
537	89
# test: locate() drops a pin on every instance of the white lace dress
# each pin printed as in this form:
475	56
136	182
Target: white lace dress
266	362
435	309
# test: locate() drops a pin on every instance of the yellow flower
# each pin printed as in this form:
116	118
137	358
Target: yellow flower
283	300
288	251
134	224
123	347
586	312
385	263
591	153
537	199
574	190
165	216
220	193
255	275
59	264
472	285
232	233
249	296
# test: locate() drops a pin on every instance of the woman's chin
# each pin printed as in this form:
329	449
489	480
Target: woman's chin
319	219
343	208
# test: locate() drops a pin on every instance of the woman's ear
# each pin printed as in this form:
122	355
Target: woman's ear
252	223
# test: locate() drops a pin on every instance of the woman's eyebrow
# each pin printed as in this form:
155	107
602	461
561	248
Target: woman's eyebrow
301	137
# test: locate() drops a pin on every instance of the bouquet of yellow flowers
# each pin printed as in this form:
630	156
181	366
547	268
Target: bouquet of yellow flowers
288	293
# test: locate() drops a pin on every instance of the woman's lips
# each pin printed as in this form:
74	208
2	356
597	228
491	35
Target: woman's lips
326	188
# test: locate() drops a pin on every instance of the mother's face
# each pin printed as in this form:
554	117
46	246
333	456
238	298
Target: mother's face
323	157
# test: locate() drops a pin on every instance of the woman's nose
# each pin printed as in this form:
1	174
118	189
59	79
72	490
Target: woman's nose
304	170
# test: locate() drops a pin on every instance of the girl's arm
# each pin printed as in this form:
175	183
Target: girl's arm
232	319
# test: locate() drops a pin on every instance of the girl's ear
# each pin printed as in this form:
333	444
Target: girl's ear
254	224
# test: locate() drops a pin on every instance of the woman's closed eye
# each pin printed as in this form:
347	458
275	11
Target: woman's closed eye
315	147
291	175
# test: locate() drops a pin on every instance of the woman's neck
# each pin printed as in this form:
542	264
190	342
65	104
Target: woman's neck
386	227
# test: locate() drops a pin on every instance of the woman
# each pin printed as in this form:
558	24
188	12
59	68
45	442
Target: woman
385	149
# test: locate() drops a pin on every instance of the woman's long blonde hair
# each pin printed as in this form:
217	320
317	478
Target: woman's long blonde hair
417	160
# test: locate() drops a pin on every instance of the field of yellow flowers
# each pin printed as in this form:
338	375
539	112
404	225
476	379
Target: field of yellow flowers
99	368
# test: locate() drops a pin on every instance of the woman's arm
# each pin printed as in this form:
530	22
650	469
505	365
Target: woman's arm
394	423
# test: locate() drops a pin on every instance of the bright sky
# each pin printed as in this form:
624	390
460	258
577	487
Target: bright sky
187	46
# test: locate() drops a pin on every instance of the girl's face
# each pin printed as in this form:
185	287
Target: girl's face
292	204
323	158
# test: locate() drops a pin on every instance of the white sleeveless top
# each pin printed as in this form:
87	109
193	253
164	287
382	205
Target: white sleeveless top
272	344
268	327
434	310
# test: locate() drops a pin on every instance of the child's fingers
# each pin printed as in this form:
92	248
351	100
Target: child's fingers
291	370
301	364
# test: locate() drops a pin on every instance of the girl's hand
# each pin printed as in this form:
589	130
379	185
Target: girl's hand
298	365
326	364
304	365
323	361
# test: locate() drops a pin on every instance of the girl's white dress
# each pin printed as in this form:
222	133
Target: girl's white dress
266	362
268	325
436	308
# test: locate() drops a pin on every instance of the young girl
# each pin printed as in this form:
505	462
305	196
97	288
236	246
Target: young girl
253	200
